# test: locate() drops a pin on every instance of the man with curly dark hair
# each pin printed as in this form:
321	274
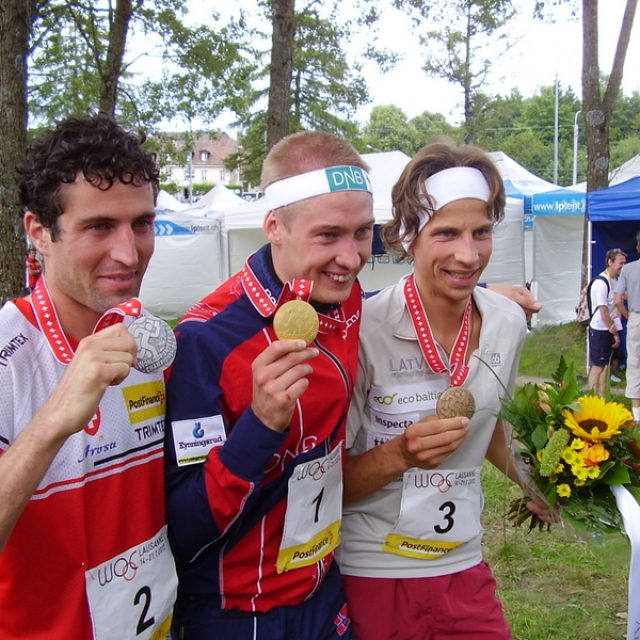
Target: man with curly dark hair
83	550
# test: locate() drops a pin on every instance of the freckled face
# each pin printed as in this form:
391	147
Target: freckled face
326	239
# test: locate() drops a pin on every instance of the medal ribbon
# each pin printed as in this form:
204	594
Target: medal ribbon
49	324
458	369
297	289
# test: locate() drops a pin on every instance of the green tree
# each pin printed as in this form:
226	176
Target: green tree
462	44
388	129
429	125
598	96
324	91
82	59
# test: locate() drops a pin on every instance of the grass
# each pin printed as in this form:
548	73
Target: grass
554	584
557	583
543	348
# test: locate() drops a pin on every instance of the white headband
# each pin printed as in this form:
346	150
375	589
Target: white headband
316	183
447	186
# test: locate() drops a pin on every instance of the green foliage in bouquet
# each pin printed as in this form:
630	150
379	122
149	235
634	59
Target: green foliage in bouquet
575	446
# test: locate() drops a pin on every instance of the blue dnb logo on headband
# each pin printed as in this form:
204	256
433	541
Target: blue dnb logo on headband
348	178
315	183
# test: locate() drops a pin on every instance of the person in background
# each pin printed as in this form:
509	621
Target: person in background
83	546
411	541
605	325
627	301
33	269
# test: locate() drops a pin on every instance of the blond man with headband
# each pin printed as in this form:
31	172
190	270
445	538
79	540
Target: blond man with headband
411	552
256	424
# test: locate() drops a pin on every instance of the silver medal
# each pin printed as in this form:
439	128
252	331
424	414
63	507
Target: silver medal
155	341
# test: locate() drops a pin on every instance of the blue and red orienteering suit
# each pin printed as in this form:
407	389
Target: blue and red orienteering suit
226	515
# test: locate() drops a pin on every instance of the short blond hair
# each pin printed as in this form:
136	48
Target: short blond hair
306	151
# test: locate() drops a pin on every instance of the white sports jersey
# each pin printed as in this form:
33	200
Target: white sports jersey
428	523
89	556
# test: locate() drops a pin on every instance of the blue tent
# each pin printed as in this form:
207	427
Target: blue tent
614	213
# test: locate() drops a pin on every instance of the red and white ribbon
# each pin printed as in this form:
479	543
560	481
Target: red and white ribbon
457	368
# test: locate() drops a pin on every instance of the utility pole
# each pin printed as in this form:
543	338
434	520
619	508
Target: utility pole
575	147
555	138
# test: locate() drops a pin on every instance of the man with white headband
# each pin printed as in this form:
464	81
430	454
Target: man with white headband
257	424
411	543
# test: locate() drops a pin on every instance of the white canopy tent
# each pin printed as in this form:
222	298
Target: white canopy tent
220	198
630	169
166	202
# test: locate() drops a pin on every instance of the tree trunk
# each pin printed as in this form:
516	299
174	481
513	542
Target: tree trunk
597	107
16	20
118	28
282	20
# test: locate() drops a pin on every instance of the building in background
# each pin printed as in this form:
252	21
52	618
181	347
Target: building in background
203	165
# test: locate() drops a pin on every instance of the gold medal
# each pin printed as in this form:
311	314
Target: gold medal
296	320
455	401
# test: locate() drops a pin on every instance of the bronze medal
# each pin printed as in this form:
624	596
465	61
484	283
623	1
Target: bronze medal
455	401
296	320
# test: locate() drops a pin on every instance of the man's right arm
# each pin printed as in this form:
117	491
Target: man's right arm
100	360
424	444
205	498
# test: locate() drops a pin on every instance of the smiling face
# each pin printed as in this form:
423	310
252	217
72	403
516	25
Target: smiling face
615	266
451	252
326	239
104	242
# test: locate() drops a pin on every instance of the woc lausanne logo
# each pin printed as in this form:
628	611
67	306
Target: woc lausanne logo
347	179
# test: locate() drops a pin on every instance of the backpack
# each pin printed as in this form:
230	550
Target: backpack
584	313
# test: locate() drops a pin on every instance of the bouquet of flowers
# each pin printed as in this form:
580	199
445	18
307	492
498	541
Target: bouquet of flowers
575	447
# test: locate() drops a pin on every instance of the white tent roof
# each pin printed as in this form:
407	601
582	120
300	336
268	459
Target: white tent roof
166	201
630	169
524	181
385	169
220	198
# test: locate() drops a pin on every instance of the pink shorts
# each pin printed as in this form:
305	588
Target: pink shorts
458	606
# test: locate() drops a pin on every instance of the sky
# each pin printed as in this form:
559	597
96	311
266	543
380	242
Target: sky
541	53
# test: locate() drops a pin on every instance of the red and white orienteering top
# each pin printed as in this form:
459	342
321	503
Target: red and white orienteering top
89	557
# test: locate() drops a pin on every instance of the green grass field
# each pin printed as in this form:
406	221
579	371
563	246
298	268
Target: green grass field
555	584
543	348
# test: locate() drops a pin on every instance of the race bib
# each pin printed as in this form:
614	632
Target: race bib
314	512
440	511
132	595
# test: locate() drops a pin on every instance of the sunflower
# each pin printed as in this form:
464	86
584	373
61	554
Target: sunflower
596	420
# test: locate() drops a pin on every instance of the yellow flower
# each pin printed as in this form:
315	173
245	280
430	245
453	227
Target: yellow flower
577	444
594	454
570	456
563	490
596	419
593	472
